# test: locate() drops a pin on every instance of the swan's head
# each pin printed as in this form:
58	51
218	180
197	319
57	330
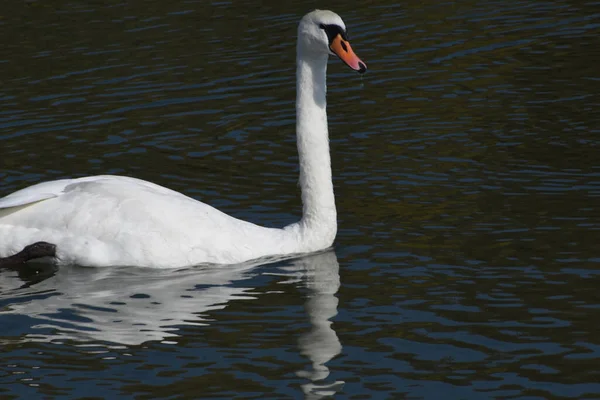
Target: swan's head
324	32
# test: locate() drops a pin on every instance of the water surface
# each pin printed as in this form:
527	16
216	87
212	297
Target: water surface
467	183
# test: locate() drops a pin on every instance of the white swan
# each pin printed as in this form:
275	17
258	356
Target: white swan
115	220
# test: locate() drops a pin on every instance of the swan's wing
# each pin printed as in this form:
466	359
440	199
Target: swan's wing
35	193
48	190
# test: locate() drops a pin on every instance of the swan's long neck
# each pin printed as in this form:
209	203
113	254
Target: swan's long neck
319	220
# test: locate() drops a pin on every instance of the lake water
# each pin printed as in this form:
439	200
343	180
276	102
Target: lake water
467	175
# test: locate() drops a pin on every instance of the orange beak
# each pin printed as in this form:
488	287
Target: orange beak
343	50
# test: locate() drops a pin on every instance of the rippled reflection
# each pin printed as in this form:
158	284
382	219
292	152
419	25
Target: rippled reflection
133	306
129	307
321	343
125	306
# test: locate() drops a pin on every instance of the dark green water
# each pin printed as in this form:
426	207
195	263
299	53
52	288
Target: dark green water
467	263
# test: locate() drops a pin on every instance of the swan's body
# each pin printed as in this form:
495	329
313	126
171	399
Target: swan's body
115	220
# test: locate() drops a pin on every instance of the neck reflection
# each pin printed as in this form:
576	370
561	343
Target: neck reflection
321	343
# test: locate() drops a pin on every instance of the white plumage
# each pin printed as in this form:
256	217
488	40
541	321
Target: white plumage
114	220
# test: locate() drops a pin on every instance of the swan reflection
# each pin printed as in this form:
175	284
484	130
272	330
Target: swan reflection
128	306
122	305
321	343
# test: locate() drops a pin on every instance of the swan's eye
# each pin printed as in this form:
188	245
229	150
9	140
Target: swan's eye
332	31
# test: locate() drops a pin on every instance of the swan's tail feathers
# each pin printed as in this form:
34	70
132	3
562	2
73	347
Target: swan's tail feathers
24	198
30	252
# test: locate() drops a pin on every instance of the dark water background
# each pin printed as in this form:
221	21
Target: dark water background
467	175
